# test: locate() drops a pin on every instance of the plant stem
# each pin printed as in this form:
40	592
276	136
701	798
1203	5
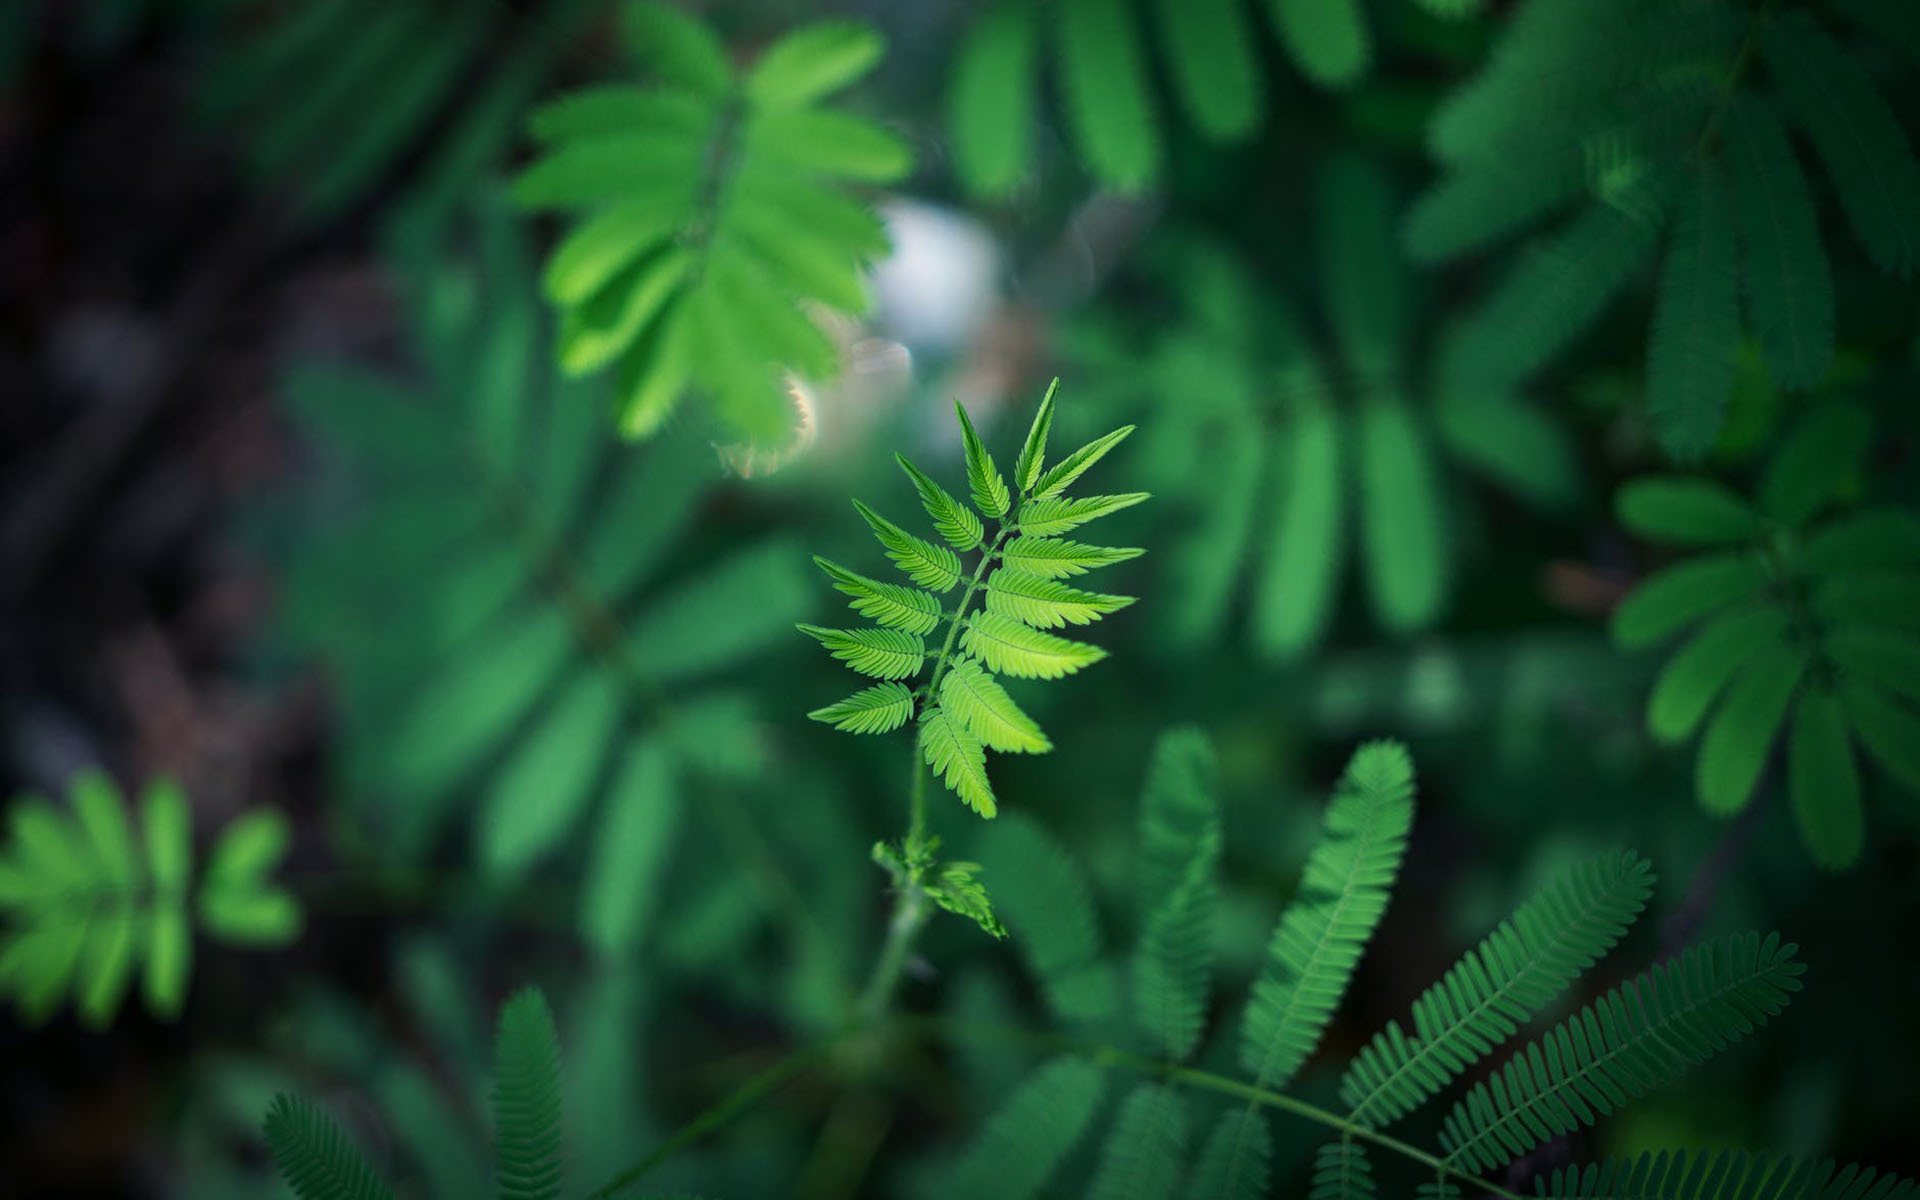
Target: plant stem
722	1112
910	912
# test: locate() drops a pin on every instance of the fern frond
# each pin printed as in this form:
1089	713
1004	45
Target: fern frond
1033	451
1144	1151
954	520
1402	538
1046	603
1721	1175
1173	967
1022	1144
1640	1036
1341	1172
1058	514
926	564
315	1156
881	653
955	754
1307	547
989	489
882	708
1696	324
1179	813
1011	648
983	706
1741	734
711	212
1058	558
1554	292
1484	998
886	604
1104	84
527	1100
957	888
1789	286
1236	1161
992	95
1063	474
1866	153
1044	899
1321	935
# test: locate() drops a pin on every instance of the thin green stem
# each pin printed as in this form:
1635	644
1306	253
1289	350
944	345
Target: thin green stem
960	612
910	912
722	1112
1100	1053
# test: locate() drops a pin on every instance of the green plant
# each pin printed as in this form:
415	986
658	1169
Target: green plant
1798	609
1638	1036
560	669
88	901
1633	112
320	1162
1318	455
715	215
1105	83
330	97
962	710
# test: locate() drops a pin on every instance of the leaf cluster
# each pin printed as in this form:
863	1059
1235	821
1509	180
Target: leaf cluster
1671	122
1804	612
89	900
712	214
962	710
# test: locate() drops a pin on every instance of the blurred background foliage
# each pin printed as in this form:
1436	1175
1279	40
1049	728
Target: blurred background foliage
1450	328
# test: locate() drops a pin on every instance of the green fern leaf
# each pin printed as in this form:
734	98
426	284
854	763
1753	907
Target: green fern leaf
1823	784
1879	537
992	98
1143	1153
882	708
1789	286
955	755
1022	1144
1011	648
1328	38
983	706
1640	1036
1104	83
1046	603
1554	293
1682	594
1059	558
1696	325
1033	452
1064	473
1173	967
958	890
1301	572
526	1100
559	761
1741	734
1685	512
1044	899
955	521
881	653
1321	935
1341	1172
1720	1175
1179	813
1058	514
1519	969
989	490
677	290
1402	540
1695	676
886	604
1212	58
1236	1160
314	1155
926	564
1865	151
